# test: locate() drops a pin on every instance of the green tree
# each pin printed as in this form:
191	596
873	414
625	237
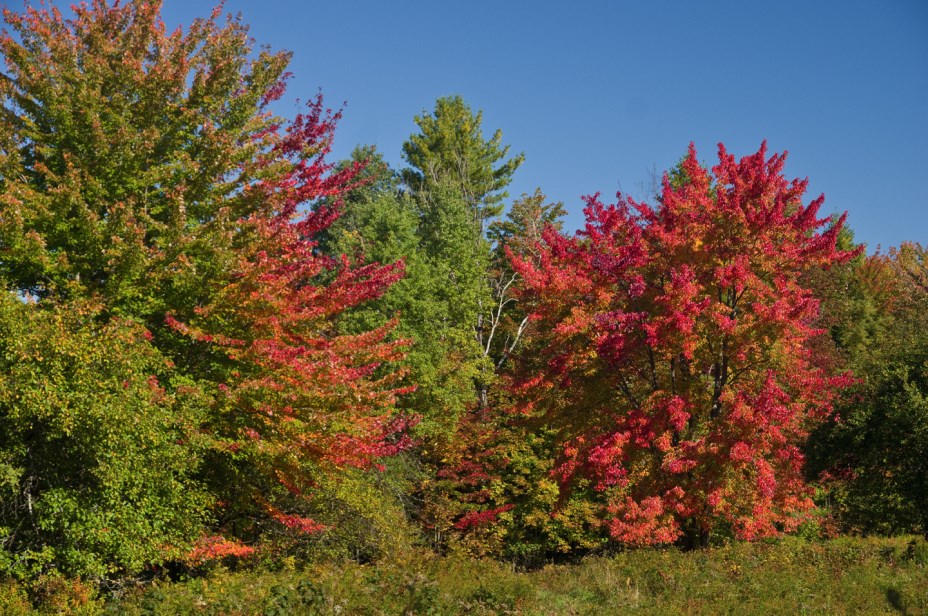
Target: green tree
854	297
874	451
451	148
98	446
126	154
376	222
451	151
438	300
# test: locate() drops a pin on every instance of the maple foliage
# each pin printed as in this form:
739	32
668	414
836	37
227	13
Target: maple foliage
143	170
214	548
192	370
673	351
126	149
299	398
297	390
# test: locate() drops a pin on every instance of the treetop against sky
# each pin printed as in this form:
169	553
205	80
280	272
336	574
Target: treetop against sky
598	94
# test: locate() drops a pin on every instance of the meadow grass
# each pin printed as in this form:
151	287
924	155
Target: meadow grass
790	576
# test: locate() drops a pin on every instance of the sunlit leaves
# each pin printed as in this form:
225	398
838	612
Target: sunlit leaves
674	351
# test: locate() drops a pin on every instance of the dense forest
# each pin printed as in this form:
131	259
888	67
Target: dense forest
219	347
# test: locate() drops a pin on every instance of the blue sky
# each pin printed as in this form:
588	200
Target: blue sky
595	93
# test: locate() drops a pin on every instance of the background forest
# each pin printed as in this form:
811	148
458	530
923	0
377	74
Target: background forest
221	349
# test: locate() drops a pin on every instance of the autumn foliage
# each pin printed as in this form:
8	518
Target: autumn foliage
144	176
216	344
673	351
297	397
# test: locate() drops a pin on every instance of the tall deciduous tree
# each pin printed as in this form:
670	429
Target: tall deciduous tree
501	326
142	173
673	351
126	150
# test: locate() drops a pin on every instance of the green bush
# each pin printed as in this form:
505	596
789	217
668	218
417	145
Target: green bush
96	456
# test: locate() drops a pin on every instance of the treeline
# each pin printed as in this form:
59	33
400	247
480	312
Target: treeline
218	345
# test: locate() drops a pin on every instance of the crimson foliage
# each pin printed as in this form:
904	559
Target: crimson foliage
673	351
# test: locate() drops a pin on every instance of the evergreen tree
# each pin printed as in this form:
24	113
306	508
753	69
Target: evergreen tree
451	148
440	296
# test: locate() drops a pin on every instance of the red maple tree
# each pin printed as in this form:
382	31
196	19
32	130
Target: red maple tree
298	399
672	349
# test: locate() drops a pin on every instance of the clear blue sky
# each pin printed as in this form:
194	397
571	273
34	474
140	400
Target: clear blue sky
595	93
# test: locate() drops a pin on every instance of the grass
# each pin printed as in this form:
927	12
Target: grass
792	576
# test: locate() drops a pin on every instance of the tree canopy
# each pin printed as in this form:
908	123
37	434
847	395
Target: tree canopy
675	354
216	344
